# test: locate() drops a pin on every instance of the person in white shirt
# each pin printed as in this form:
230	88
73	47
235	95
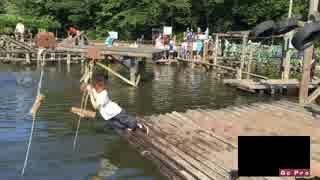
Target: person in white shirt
19	31
118	118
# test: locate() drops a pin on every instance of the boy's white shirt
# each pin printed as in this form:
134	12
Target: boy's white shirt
101	101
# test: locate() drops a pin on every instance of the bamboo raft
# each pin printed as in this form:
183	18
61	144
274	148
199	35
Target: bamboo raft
201	144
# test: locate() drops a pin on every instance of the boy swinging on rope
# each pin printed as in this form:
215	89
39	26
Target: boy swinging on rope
117	118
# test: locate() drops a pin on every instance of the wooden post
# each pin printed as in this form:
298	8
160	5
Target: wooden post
243	55
249	63
82	58
8	57
28	58
304	85
43	62
205	50
52	56
133	70
286	65
216	50
68	59
39	56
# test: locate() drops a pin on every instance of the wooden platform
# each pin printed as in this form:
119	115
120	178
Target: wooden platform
270	85
12	50
142	52
202	143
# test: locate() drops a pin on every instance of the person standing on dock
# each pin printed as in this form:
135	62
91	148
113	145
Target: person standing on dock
194	49
19	31
72	32
199	48
184	49
117	118
109	41
159	42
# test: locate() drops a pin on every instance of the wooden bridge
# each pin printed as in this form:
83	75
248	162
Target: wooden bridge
201	144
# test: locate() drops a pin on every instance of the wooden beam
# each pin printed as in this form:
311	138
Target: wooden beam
116	74
304	86
224	67
249	63
312	97
83	113
216	50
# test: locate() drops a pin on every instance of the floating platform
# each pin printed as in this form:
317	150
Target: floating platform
201	144
270	85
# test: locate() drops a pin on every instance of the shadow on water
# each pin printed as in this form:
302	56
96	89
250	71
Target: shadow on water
165	89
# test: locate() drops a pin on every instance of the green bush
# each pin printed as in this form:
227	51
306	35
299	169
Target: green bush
8	22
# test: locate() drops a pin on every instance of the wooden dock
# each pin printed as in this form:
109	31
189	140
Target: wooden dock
12	50
201	144
269	85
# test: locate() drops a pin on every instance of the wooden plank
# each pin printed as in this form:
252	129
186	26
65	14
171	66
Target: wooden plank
181	158
119	51
312	97
194	158
83	113
167	168
189	147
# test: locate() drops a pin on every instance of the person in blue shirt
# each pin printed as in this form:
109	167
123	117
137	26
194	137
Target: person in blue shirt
199	48
109	41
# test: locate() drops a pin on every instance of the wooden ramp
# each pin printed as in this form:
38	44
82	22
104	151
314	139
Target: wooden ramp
201	144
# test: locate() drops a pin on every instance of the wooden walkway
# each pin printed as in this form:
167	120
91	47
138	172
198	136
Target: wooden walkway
270	85
12	50
201	144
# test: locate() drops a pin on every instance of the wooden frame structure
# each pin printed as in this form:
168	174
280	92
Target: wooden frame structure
12	50
304	98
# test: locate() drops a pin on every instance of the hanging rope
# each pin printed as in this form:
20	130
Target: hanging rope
33	111
83	107
86	78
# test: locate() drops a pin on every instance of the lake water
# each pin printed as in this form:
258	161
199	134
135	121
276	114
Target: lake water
165	89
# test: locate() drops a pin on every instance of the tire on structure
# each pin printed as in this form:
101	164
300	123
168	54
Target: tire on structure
285	26
263	29
305	36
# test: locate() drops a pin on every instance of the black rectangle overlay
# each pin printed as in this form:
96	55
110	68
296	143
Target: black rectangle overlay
266	155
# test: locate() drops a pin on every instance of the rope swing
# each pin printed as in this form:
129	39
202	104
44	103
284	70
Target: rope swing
34	109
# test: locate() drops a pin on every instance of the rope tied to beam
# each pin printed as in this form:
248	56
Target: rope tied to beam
34	109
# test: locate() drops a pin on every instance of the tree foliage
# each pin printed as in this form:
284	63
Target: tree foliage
133	18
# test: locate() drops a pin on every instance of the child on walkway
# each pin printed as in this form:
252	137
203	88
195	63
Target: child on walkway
116	116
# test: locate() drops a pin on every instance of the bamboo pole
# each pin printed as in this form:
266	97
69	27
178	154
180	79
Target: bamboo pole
116	74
